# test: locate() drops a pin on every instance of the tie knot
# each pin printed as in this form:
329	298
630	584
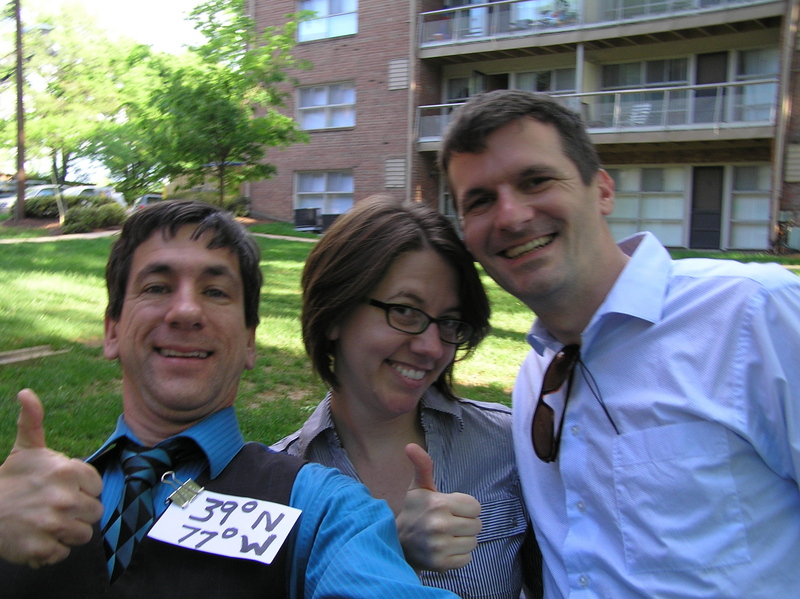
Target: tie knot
149	463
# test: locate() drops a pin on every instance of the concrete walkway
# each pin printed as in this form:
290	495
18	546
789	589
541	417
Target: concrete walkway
97	234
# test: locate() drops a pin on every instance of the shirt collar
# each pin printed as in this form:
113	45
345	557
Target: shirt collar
638	292
433	401
217	435
321	419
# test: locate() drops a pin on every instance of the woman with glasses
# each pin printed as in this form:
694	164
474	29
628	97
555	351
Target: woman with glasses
391	300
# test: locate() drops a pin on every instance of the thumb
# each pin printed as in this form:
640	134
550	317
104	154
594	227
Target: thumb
423	468
30	434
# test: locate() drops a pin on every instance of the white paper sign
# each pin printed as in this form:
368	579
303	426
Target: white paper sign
228	525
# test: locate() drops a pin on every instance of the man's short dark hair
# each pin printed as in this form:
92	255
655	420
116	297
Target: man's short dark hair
473	122
168	217
356	253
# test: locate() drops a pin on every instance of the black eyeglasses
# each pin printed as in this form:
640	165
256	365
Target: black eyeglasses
546	439
413	321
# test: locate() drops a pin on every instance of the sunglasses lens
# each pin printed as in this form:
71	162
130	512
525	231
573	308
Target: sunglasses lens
557	372
542	432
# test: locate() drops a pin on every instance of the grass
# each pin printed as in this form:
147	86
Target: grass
54	293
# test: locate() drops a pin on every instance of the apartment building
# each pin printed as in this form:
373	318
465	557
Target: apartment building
690	103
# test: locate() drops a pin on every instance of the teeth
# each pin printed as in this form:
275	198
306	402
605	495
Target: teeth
529	247
412	374
171	353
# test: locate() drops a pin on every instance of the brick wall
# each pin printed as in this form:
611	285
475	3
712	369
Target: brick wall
382	116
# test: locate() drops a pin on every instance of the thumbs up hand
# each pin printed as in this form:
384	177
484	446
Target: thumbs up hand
438	531
48	502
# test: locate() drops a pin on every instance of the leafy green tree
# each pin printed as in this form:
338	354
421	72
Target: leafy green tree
219	114
73	74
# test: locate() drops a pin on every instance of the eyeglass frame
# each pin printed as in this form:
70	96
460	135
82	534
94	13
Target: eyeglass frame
573	354
388	307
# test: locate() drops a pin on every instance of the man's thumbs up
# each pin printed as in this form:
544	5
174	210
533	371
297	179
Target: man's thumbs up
438	531
48	502
30	434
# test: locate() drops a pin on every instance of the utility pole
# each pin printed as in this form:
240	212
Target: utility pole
19	208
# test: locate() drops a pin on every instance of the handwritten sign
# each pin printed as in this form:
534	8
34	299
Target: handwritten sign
228	525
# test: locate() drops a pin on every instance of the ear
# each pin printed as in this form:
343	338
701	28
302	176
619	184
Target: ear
605	187
111	339
250	349
333	332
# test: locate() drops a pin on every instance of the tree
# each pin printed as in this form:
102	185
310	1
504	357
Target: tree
72	74
219	113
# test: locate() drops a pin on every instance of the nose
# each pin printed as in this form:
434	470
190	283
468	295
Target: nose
513	212
185	310
428	343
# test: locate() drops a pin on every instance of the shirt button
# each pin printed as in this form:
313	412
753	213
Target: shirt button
581	506
583	580
575	430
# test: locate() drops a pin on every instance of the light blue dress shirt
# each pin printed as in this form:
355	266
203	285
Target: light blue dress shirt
343	546
470	445
698	362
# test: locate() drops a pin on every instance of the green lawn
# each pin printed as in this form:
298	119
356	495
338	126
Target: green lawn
54	293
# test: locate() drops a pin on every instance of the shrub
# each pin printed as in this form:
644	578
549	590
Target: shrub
98	212
46	206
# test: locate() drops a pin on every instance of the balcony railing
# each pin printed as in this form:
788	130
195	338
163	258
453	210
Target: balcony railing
720	106
510	18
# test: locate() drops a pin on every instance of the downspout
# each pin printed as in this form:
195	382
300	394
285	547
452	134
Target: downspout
784	110
412	89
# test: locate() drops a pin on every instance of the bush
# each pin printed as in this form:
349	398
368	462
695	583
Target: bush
46	206
98	213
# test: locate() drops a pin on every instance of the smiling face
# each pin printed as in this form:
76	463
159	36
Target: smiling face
529	219
384	372
181	338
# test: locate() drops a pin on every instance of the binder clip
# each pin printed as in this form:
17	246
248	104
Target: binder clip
184	493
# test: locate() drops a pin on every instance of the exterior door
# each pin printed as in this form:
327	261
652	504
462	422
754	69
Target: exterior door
706	225
709	104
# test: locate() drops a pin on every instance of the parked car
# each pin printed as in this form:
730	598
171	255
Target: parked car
95	190
8	202
146	200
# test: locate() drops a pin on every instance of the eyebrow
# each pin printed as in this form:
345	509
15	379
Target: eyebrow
210	271
416	299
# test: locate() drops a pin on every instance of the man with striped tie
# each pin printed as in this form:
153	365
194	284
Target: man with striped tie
184	282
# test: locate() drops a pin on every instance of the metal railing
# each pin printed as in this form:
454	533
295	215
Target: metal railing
716	106
511	18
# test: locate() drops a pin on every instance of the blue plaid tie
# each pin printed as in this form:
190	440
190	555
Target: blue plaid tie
133	517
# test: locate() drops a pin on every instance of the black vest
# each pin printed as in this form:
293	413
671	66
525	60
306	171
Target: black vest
164	570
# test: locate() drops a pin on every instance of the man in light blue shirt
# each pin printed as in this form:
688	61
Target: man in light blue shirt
657	417
184	283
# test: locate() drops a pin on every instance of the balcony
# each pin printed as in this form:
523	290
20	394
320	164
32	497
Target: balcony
684	113
519	18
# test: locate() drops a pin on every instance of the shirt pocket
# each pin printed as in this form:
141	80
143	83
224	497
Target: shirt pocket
676	499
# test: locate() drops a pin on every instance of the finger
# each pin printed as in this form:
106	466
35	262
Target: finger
91	483
30	434
465	506
423	468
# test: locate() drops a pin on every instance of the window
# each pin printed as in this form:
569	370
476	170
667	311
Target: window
332	18
556	80
756	101
750	208
330	191
649	199
327	106
646	108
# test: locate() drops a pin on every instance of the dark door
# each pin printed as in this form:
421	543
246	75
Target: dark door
706	222
709	104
